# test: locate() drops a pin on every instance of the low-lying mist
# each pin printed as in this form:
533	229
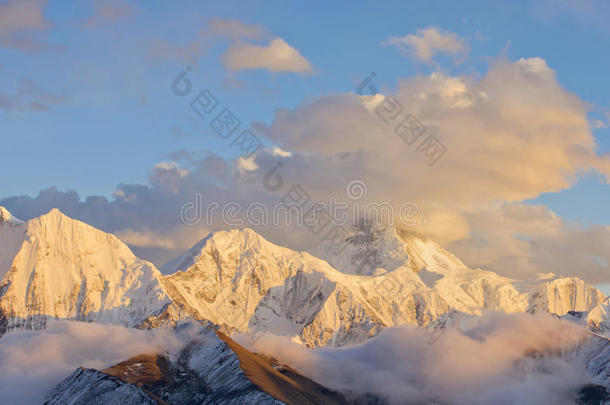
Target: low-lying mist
495	359
33	362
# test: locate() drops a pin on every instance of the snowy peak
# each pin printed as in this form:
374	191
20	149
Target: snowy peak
244	283
8	218
225	277
369	250
58	267
232	241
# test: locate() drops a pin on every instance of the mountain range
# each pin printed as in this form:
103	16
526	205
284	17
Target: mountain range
54	267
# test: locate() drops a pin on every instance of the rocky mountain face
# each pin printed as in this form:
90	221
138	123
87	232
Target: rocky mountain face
57	267
210	369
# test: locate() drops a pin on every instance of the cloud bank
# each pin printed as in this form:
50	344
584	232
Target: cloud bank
31	363
500	358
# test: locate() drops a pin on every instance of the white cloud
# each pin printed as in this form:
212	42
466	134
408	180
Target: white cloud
246	165
277	56
275	151
500	358
31	363
428	42
511	135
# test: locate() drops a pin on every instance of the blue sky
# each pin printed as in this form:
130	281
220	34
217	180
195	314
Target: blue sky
109	113
119	116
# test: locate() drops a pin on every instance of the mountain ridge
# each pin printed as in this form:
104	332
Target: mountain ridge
57	267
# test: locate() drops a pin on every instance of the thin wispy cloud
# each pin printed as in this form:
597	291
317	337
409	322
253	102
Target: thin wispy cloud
236	29
30	96
426	43
21	24
108	12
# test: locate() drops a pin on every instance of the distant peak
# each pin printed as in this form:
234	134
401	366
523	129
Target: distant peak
55	217
6	216
237	233
54	213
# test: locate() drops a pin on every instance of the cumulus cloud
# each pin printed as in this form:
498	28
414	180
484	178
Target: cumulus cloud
31	363
428	42
509	136
20	23
277	56
499	358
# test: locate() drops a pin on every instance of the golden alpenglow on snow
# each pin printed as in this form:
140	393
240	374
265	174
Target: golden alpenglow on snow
363	203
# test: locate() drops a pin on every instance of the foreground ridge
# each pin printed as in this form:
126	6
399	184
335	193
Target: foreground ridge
210	369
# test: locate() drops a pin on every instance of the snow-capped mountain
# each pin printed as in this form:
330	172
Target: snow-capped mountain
385	251
240	280
210	368
56	267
